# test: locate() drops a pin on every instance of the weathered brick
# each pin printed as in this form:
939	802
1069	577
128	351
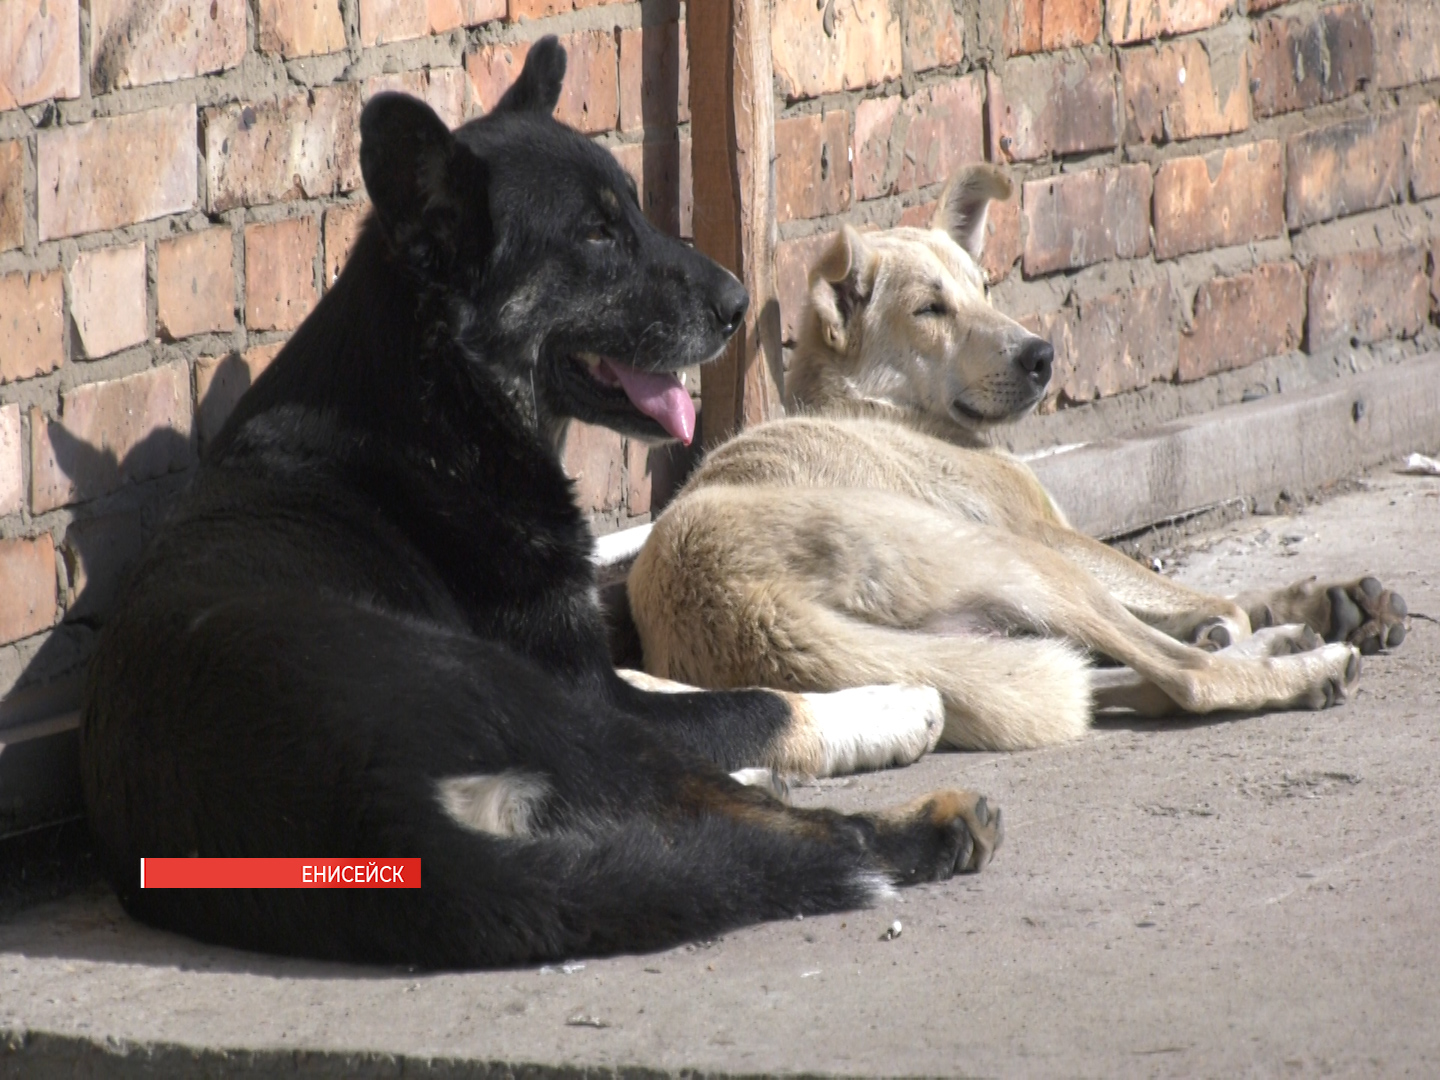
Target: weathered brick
861	48
793	261
1425	152
1140	20
934	35
1043	25
12	469
1299	61
543	9
1366	296
195	284
650	86
637	477
383	21
1407	41
1226	197
1062	103
114	172
655	168
1080	218
1344	168
107	299
39	51
443	89
33	324
590	98
876	121
812	165
280	273
342	229
1242	319
1111	344
918	216
220	382
1185	89
1002	239
136	42
302	27
291	148
12	194
110	434
946	130
593	460
96	553
28	585
1258	7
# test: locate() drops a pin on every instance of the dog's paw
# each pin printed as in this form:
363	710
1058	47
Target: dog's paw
1336	671
940	835
1367	615
1277	641
874	727
1215	634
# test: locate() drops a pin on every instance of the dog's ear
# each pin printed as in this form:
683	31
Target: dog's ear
840	283
538	87
961	211
423	184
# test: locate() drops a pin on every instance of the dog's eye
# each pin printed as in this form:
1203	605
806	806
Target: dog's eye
936	307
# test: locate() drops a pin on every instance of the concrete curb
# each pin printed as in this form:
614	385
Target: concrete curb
1297	442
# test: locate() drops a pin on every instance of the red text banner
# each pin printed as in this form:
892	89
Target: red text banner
280	873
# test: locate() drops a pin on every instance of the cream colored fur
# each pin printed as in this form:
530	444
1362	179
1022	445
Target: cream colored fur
872	538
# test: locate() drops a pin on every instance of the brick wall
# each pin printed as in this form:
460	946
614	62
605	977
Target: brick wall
179	183
1215	196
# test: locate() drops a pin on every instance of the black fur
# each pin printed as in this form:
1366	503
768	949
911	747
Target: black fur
379	579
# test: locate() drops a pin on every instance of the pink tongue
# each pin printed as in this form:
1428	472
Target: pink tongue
660	397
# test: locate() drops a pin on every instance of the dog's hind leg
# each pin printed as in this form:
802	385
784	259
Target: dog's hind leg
813	734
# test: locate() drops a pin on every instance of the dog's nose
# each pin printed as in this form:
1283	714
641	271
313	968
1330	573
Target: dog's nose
1036	359
729	306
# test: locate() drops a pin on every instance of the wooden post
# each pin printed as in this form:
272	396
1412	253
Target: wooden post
732	131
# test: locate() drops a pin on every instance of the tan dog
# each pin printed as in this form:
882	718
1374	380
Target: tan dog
872	538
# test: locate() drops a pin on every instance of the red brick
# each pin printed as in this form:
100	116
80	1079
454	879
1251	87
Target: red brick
543	9
590	98
812	165
1407	41
1226	197
793	262
1002	239
1080	218
1257	7
280	273
383	21
12	469
1345	168
443	89
342	229
114	172
1242	319
12	194
276	151
650	85
110	434
1183	90
594	459
97	552
302	27
195	284
918	216
1366	296
39	51
863	47
107	299
1425	152
1061	103
876	120
946	130
1043	25
28	585
1140	20
1113	344
934	35
32	324
655	168
220	381
1299	61
136	42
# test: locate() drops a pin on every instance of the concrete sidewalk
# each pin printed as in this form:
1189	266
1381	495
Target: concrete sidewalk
1180	899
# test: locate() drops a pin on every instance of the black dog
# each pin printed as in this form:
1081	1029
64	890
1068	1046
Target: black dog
370	628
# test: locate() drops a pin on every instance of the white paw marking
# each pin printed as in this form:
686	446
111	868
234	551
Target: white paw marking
873	727
503	804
